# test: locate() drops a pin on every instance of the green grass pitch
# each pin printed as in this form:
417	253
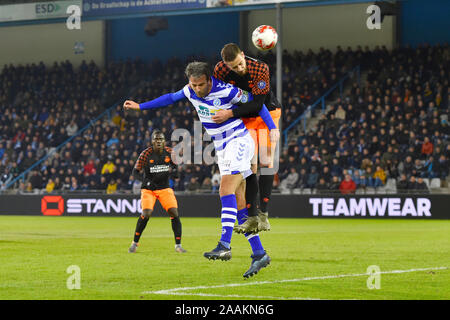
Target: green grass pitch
311	259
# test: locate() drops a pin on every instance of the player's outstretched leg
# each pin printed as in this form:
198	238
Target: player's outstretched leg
140	226
228	217
265	191
258	262
263	221
220	252
250	225
260	259
176	228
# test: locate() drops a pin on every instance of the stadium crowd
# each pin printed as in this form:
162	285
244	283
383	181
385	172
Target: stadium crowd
395	126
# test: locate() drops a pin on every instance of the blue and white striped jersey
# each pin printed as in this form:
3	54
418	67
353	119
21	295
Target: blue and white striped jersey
222	96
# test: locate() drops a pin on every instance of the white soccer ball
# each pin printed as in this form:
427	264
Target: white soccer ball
264	37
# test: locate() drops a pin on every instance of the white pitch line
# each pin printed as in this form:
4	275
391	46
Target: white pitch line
238	296
176	291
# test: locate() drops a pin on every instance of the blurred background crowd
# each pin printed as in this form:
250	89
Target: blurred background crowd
387	132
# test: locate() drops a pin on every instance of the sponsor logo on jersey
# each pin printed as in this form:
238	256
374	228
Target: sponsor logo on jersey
261	84
205	111
160	168
217	102
244	97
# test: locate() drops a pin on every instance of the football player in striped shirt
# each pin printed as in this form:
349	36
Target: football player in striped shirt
253	76
155	166
234	149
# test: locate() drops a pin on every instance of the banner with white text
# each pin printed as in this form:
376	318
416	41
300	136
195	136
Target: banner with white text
37	10
208	205
92	8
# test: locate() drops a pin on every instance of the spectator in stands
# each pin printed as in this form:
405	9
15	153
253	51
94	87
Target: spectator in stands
322	187
206	186
347	185
441	167
313	177
402	184
58	183
408	166
74	184
35	180
421	186
109	167
334	184
112	187
387	156
357	179
303	164
380	175
72	128
412	184
315	162
66	185
340	113
427	147
302	181
326	173
50	186
392	168
335	169
290	181
193	185
215	181
103	184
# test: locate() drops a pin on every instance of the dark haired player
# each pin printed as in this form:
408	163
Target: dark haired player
253	76
155	165
234	149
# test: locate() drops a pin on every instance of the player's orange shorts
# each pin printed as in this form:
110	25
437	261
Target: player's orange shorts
259	131
165	196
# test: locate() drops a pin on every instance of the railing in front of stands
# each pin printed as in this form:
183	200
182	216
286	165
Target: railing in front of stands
321	101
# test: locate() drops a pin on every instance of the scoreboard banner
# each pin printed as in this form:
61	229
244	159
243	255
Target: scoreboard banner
208	205
37	10
92	8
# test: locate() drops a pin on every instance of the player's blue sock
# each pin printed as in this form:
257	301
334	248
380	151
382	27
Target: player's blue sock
255	241
229	209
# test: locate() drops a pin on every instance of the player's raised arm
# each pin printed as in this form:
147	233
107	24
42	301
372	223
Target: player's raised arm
162	101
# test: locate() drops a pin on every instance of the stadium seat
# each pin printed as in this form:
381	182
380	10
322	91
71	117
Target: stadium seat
359	191
435	183
297	191
370	190
381	190
306	191
391	183
427	182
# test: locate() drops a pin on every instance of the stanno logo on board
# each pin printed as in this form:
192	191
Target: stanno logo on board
371	207
54	205
94	206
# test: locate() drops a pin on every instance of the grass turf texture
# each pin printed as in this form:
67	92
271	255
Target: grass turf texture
35	253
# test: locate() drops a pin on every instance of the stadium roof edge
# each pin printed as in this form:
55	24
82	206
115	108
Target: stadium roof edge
268	6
